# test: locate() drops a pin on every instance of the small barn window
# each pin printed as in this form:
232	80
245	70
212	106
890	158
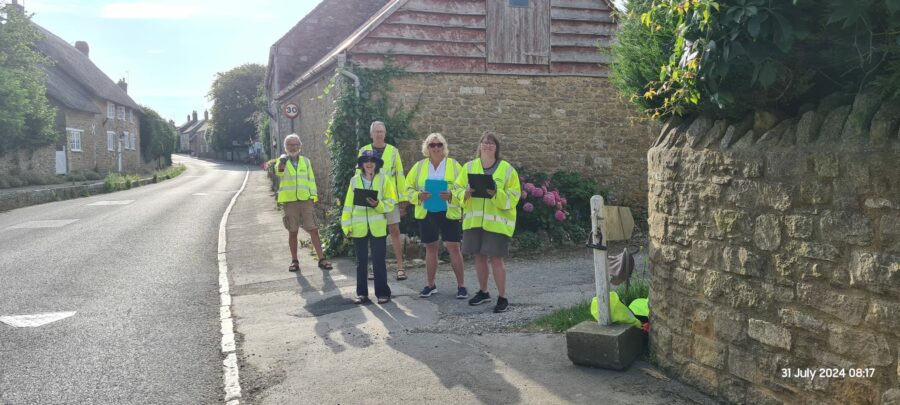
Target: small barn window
518	3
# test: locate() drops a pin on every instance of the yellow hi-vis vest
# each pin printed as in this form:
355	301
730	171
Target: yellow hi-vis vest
358	221
297	183
497	214
415	184
392	168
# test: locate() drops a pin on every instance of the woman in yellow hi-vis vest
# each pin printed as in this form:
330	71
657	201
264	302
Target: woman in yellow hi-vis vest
393	170
443	219
297	193
367	225
489	223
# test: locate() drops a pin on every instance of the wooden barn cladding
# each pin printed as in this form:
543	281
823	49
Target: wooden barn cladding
547	37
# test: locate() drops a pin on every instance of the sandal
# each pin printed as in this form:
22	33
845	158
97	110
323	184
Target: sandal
324	265
295	266
384	300
362	299
401	274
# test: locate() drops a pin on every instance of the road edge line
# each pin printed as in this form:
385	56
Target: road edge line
230	374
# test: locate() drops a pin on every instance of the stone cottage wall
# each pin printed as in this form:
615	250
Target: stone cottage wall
777	247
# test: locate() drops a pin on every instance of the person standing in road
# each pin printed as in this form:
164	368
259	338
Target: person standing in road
489	223
437	165
393	170
297	193
367	225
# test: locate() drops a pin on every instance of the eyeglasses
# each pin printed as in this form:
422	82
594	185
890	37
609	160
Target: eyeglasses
436	145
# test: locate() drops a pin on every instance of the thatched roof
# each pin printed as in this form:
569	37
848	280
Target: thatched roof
74	80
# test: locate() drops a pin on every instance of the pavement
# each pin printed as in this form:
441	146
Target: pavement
301	339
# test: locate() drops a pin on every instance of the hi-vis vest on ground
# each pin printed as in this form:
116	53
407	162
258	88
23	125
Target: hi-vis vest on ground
415	184
392	168
297	183
497	214
360	221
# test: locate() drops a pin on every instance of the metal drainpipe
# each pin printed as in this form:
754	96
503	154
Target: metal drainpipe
341	62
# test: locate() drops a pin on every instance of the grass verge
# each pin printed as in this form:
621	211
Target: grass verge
169	172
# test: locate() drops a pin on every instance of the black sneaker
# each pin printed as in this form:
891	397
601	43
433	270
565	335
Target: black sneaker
428	291
481	297
502	305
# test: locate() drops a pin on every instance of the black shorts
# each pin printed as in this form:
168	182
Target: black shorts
436	222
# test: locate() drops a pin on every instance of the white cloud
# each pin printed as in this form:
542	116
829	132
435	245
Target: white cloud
149	11
179	10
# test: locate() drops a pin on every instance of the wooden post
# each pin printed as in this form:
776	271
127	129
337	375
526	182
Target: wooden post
601	278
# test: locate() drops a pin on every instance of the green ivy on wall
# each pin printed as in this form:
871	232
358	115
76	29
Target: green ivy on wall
348	130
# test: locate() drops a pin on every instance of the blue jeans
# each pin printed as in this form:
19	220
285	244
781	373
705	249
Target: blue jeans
379	247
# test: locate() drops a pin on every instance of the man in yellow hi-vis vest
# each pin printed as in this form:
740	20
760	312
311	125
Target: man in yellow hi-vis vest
297	193
393	170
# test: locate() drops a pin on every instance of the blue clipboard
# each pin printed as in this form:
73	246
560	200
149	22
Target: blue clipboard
435	203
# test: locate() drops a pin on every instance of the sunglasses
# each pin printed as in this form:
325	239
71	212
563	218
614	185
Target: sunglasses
435	145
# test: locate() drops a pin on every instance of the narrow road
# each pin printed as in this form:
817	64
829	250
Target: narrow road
139	270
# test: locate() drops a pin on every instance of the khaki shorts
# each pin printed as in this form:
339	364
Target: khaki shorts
477	241
393	217
299	214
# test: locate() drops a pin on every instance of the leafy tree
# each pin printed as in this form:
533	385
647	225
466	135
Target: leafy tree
727	57
233	94
262	120
158	138
26	116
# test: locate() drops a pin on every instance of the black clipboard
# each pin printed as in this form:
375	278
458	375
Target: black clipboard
360	195
481	183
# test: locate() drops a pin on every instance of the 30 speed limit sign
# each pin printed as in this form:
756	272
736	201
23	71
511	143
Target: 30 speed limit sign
291	110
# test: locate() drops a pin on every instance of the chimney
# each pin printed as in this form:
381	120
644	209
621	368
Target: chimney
189	118
19	7
194	115
206	115
123	85
83	47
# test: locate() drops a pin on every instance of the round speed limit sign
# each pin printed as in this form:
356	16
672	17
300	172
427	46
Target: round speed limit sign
291	110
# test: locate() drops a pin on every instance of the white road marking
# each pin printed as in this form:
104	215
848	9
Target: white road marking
339	277
113	202
53	223
200	194
230	366
33	321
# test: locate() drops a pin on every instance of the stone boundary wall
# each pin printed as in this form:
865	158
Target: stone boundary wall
41	161
18	198
776	246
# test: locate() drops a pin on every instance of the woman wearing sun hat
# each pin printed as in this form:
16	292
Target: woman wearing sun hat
367	225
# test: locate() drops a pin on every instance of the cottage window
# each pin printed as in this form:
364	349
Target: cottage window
131	116
74	139
518	3
134	141
127	140
121	113
110	110
110	140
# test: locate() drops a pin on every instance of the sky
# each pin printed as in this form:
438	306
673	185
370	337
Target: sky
170	51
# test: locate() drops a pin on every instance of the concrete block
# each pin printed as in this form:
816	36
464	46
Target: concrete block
613	347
